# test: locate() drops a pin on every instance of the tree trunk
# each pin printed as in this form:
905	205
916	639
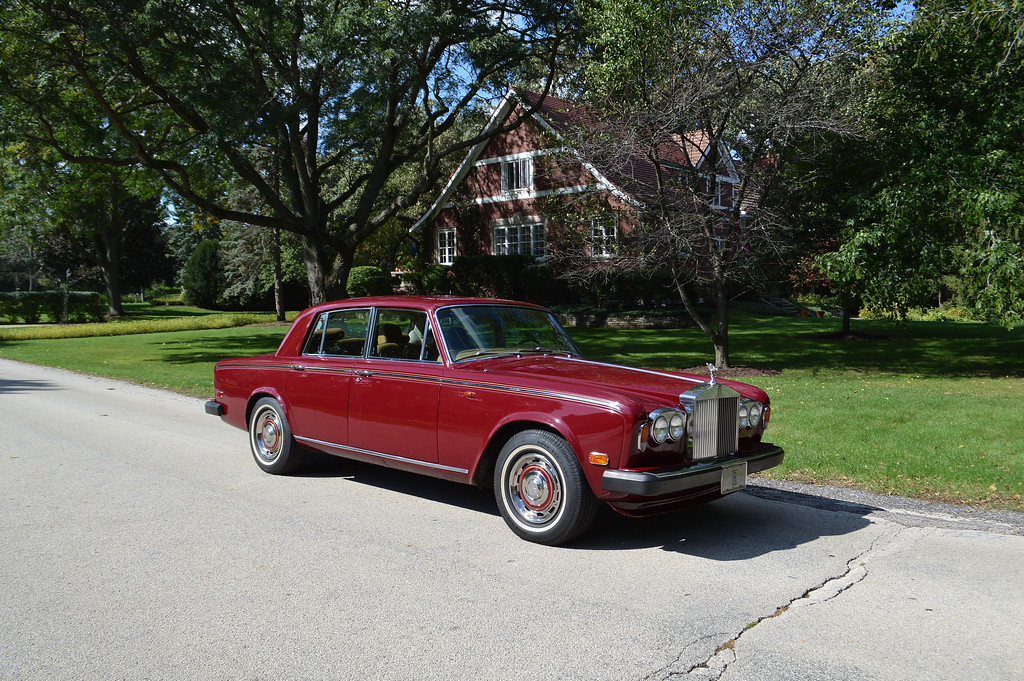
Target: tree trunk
327	276
721	337
317	270
275	251
108	242
112	284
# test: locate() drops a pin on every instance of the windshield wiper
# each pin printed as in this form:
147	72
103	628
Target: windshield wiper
540	349
469	354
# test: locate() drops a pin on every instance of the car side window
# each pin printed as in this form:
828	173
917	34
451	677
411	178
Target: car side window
315	342
430	351
339	332
399	334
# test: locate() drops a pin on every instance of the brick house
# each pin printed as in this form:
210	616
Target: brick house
505	196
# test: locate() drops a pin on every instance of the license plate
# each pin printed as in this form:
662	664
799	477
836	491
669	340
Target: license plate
734	477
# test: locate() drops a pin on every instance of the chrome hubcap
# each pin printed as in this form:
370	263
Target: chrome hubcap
266	435
270	435
534	488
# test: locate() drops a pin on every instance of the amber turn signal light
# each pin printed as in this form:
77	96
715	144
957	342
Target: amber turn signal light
598	459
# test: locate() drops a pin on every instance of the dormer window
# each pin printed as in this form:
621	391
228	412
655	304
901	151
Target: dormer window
517	175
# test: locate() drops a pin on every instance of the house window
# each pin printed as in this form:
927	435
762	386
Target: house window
723	193
446	247
517	175
604	237
524	239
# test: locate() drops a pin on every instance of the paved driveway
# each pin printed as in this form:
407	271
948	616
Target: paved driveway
139	540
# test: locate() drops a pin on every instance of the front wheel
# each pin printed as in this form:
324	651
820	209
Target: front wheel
540	488
270	438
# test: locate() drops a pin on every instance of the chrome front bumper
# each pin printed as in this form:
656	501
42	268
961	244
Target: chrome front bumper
672	480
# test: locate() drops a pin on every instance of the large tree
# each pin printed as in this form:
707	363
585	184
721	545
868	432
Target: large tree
697	91
346	93
944	195
84	218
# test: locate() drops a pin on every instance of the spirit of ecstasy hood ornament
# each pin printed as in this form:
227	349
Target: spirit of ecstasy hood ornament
712	369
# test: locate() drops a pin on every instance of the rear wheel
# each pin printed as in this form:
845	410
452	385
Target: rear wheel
270	439
540	488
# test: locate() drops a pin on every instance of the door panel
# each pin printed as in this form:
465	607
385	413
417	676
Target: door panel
394	395
318	388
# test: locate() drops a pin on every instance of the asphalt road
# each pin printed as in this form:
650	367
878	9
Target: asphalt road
139	541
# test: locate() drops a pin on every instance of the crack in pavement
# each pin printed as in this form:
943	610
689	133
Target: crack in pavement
856	571
666	672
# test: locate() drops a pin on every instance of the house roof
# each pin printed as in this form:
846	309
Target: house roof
632	177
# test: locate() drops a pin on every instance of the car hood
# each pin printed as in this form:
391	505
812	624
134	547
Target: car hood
577	376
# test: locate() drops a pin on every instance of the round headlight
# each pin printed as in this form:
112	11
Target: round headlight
676	425
660	429
755	414
744	415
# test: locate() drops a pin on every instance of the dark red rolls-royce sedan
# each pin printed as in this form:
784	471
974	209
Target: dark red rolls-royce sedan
494	393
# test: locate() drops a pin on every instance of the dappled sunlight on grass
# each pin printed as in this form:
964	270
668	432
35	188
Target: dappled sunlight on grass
812	344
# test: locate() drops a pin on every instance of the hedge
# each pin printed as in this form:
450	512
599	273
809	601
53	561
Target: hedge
31	306
367	280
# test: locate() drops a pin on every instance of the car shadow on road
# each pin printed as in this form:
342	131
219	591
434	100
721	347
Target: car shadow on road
741	526
319	465
738	527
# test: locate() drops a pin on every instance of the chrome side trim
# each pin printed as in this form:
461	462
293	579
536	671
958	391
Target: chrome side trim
322	370
380	455
254	365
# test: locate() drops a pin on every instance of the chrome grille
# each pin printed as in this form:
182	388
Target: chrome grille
714	421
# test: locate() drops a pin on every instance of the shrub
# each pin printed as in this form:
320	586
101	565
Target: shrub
539	284
164	295
31	306
434	280
490	276
86	306
367	280
944	314
201	280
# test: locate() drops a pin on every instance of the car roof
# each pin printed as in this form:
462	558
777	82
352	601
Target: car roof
418	302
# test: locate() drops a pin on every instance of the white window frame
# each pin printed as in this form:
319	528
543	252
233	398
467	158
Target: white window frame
718	193
517	175
446	246
604	236
509	238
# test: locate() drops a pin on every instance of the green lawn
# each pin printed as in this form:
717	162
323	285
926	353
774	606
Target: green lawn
930	410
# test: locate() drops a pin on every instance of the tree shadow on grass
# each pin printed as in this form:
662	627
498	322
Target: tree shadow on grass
215	348
929	349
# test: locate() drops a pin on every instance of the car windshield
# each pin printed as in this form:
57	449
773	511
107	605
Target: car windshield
473	331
